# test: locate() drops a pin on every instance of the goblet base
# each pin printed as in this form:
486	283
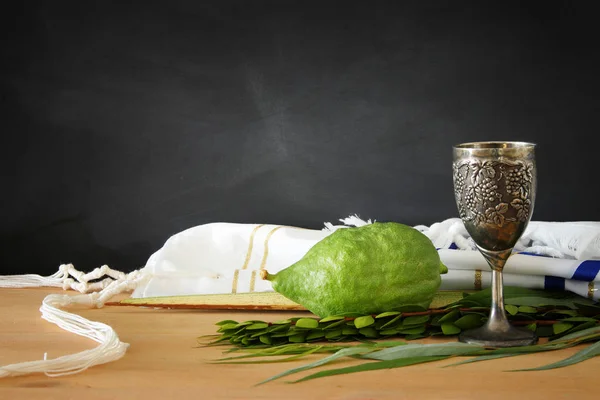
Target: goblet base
512	337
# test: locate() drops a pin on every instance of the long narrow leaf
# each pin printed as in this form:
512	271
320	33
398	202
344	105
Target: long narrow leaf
480	358
575	335
233	360
372	366
423	350
351	351
585	354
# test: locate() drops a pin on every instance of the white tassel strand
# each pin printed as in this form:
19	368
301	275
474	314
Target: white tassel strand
110	348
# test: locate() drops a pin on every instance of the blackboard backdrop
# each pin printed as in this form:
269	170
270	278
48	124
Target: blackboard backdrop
125	122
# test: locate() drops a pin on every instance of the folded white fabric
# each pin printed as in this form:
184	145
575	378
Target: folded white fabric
221	258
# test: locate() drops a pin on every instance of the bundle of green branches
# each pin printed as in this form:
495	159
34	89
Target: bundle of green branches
560	318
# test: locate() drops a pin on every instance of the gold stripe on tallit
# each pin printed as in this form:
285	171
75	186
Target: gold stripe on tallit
250	245
236	275
266	252
591	290
477	282
252	280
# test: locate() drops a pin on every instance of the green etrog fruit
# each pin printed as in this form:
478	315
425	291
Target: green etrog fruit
365	270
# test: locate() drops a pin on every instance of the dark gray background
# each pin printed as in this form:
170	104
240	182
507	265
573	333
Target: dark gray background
126	122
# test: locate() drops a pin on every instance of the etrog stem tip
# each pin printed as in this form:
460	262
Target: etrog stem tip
264	274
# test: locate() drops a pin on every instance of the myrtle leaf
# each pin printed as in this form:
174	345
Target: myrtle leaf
561	327
468	321
512	310
415	320
449	328
364	321
307	323
332	318
388	314
226	322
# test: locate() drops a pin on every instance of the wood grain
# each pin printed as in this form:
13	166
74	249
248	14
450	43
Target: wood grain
164	361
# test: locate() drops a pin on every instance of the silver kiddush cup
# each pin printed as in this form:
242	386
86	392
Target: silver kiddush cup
495	187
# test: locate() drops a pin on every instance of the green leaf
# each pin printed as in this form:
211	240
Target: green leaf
332	318
307	323
480	358
539	301
333	334
419	350
585	354
483	297
364	321
244	324
227	327
388	314
278	328
315	335
301	352
450	317
556	313
576	335
334	324
561	327
527	309
512	310
266	339
256	326
413	330
583	326
369	332
347	352
226	322
449	328
435	321
282	322
372	367
257	333
349	330
246	341
415	320
391	322
544	331
468	321
297	338
579	319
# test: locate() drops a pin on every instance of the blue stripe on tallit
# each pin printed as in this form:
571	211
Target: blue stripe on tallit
452	246
531	254
554	283
587	271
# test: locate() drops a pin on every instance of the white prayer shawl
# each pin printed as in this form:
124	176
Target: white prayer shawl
222	258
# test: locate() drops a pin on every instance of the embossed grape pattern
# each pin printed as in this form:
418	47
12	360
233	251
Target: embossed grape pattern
493	192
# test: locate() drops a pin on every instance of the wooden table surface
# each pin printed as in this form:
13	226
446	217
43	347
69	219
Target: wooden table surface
164	362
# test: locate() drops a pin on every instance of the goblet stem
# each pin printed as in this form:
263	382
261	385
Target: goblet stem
498	320
498	332
496	260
